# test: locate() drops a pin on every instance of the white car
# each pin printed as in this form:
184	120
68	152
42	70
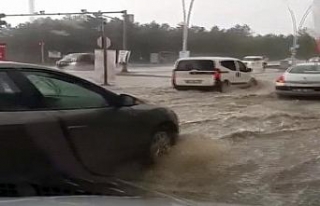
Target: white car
201	72
256	63
314	59
77	61
300	80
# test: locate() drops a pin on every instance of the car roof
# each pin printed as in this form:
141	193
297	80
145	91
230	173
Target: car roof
253	57
79	54
20	65
308	64
208	58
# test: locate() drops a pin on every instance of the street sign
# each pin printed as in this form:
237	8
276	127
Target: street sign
99	42
124	56
54	54
130	18
184	54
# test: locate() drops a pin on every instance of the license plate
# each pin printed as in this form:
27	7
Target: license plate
302	90
193	81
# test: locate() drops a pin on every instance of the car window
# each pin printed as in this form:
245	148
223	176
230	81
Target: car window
10	94
86	58
62	94
203	65
7	86
229	65
70	57
242	67
305	69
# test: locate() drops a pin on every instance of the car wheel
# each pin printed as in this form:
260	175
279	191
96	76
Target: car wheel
283	97
160	145
179	88
253	82
225	86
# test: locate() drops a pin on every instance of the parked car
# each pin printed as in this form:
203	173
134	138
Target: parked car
200	72
256	63
77	61
54	121
300	80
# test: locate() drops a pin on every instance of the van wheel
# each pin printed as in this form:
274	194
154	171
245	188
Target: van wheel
179	88
253	82
225	86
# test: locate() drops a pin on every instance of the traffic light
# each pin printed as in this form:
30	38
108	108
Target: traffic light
2	22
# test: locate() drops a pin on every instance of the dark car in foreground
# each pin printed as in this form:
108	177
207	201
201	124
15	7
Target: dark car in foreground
55	123
105	201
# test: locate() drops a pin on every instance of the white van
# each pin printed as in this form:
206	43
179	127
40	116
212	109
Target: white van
256	63
200	72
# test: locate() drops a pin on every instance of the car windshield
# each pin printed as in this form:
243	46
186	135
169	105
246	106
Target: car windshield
305	69
159	102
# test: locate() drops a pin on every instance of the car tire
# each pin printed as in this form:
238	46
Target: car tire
161	143
253	82
179	88
283	97
225	86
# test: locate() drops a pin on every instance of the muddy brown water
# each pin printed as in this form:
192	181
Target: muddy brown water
244	147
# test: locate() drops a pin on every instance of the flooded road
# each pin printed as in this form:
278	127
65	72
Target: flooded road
243	147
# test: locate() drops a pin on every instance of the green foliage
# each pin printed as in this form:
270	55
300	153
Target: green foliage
79	34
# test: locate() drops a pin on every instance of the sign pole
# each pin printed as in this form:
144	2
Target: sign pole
105	53
42	51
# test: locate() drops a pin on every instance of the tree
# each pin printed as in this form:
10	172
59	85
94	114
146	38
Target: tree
79	34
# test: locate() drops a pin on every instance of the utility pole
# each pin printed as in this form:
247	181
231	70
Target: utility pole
31	8
124	39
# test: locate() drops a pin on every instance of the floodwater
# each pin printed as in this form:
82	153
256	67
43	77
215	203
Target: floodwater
243	147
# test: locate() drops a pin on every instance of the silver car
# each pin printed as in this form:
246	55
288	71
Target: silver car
300	80
77	61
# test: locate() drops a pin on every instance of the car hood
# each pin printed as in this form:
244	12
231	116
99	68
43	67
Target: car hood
99	201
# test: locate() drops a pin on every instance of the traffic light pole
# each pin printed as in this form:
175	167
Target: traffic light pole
105	52
66	13
124	40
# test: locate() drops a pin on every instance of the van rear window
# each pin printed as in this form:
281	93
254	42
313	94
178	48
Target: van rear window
201	65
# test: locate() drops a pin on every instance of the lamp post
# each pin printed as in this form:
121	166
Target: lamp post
296	29
186	23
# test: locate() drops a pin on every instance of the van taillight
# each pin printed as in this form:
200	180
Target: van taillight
173	78
217	74
281	79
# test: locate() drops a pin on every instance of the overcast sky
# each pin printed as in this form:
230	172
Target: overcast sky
263	16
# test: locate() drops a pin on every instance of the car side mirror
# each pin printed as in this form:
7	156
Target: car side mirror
127	100
249	69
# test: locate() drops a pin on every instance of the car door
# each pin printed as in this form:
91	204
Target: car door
232	75
85	62
22	130
245	73
99	133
